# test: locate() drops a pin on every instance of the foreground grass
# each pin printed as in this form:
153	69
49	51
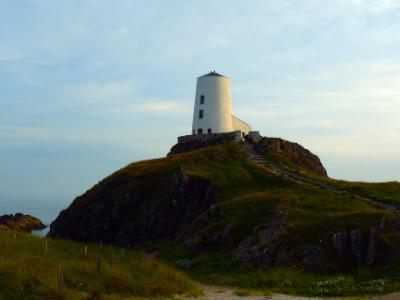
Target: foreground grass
29	270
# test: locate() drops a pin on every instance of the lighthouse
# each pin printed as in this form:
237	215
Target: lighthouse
213	107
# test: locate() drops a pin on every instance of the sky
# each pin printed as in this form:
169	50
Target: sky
88	86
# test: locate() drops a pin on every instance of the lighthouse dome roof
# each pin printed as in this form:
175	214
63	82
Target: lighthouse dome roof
213	74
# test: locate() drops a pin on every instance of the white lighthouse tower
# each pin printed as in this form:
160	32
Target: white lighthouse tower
213	107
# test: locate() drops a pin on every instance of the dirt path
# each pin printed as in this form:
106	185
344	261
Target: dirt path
259	159
228	293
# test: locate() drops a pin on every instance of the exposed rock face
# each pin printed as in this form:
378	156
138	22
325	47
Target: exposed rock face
267	245
365	247
294	152
201	236
117	213
20	222
340	242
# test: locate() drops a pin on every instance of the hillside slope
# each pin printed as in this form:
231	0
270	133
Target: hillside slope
214	199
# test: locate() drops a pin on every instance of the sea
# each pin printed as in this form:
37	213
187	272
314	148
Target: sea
45	211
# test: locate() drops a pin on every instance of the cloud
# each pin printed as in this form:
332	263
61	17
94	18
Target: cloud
96	92
118	98
352	112
5	57
29	135
380	6
376	6
165	107
168	108
9	55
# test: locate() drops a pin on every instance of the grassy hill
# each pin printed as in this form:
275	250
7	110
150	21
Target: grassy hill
221	211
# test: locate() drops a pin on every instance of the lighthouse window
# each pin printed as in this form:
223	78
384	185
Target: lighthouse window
201	114
209	130
202	99
200	130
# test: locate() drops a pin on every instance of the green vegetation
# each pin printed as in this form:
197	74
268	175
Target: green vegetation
283	161
385	192
248	193
220	269
30	271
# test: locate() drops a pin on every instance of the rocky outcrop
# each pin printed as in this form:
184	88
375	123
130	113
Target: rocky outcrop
269	246
295	153
118	213
367	247
20	222
203	235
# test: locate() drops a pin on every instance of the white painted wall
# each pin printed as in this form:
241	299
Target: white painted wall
240	125
217	107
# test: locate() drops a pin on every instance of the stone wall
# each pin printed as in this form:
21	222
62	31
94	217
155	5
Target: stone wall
226	136
197	141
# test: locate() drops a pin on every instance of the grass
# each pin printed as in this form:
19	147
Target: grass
247	194
220	269
385	192
29	271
